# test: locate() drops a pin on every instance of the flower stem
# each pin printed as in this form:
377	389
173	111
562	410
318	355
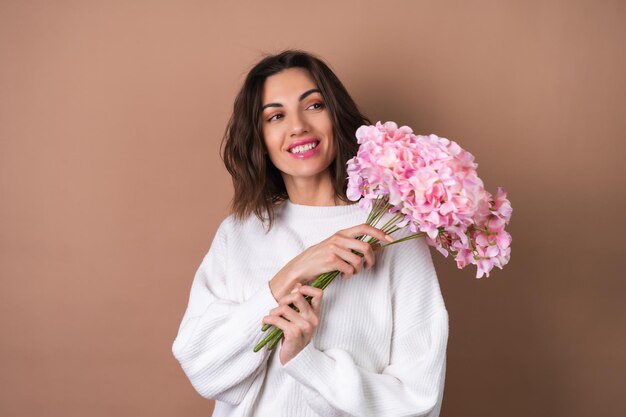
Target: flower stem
376	209
273	337
404	239
391	223
381	207
273	334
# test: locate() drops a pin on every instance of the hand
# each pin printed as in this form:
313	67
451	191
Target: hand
332	254
297	326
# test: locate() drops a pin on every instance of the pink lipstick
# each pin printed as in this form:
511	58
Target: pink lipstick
304	148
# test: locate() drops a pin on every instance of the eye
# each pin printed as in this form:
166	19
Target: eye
275	117
316	106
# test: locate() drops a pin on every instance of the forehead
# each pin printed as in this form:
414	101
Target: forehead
287	84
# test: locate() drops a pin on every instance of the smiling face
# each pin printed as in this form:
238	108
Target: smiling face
297	129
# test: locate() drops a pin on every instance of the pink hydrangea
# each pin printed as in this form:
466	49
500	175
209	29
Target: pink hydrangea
432	182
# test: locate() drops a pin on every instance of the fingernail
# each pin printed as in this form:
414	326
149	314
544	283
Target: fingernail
389	238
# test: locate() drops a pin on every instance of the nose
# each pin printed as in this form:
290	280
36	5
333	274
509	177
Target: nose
299	124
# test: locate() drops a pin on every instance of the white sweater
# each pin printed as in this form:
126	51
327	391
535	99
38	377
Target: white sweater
380	348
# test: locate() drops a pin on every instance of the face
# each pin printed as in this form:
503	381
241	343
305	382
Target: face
297	128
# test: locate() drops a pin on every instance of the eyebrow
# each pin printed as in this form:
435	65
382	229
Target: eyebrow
302	97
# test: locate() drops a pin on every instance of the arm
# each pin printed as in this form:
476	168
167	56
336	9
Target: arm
216	336
412	383
215	340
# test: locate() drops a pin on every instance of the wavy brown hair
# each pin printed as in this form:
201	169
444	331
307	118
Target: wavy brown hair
258	184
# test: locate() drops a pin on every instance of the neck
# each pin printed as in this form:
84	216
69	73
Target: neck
312	191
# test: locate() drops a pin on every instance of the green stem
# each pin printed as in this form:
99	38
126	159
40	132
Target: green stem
322	281
381	207
375	210
392	223
272	344
276	334
275	331
393	230
404	239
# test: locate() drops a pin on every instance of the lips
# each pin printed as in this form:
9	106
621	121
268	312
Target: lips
303	145
304	148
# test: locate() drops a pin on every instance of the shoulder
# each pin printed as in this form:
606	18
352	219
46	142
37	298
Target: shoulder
413	254
231	225
413	275
233	228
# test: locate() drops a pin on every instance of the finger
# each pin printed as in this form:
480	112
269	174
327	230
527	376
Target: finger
348	242
316	297
289	298
298	324
286	309
295	288
312	291
362	247
350	257
287	303
285	312
279	311
303	306
366	253
336	263
290	330
290	314
368	258
275	321
345	268
366	229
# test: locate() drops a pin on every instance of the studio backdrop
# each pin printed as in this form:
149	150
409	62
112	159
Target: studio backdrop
111	186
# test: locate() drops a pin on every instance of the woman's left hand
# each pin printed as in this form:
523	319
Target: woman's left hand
298	327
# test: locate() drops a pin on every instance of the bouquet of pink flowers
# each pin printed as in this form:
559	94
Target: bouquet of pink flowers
430	185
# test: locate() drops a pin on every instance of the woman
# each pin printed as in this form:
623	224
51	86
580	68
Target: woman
370	346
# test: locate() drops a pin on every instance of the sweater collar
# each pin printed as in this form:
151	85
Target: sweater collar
291	211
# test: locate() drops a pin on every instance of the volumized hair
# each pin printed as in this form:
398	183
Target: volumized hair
258	184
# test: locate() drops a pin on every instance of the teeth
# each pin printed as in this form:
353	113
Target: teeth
303	148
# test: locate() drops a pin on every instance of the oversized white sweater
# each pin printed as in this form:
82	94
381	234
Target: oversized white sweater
380	348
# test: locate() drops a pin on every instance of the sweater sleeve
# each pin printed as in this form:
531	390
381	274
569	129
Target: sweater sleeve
215	340
412	382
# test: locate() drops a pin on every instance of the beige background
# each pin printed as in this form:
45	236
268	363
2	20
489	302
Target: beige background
111	186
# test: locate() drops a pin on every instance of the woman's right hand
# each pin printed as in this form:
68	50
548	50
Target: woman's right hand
332	254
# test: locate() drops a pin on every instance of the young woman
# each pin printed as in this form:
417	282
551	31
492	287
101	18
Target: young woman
374	345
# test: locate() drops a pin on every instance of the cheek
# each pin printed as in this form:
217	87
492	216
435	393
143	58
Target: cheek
332	154
272	146
328	123
326	126
332	145
269	139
